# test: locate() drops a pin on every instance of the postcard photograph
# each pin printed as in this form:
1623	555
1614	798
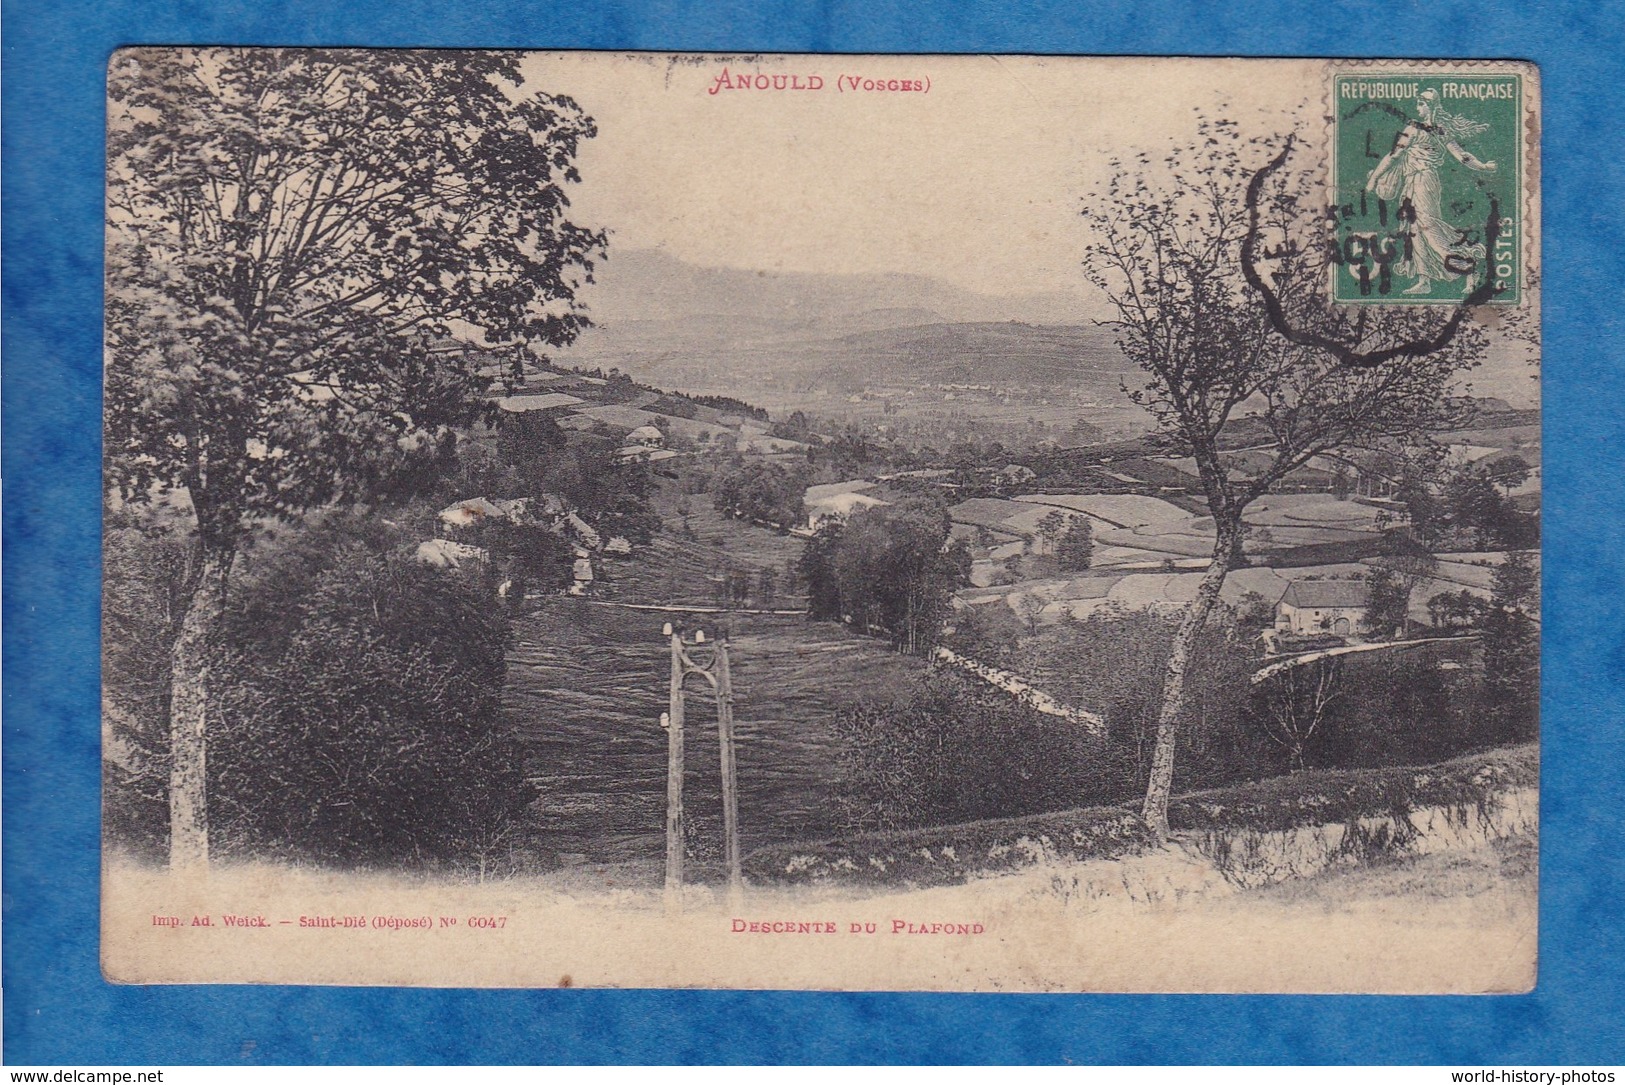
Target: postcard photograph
957	523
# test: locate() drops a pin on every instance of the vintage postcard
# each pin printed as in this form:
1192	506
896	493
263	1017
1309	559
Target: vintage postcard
956	523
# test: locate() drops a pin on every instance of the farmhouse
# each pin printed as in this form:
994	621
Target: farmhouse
447	554
647	436
475	510
1323	606
1014	474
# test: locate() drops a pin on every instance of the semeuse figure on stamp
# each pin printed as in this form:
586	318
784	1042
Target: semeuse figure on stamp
1410	174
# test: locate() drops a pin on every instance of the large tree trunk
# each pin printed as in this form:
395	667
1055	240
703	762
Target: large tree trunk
189	710
1155	810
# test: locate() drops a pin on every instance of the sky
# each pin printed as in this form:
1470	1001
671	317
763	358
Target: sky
977	180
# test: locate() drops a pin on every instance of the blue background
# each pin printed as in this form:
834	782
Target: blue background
58	1009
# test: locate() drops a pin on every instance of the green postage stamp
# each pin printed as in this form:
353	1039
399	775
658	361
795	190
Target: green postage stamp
1427	177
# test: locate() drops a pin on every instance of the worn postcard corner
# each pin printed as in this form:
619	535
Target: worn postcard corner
830	522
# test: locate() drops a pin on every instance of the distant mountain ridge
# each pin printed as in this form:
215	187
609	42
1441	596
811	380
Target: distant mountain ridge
733	331
728	330
646	284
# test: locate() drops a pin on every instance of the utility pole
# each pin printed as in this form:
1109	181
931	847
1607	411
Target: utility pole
719	677
674	774
730	796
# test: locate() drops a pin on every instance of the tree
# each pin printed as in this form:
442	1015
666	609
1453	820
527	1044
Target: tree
1512	648
1051	526
1076	550
767	585
1455	610
1296	702
1112	662
1029	608
1476	507
816	569
1393	582
895	571
1388	604
288	231
1510	472
1342	482
954	750
1213	264
762	491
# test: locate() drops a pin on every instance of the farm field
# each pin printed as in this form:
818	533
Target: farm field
678	571
1138	531
587	683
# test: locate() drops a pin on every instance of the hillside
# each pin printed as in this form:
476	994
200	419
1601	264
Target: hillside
647	285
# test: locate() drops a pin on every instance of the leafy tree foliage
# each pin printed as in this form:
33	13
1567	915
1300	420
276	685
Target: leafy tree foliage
287	232
955	752
356	716
1388	708
1464	507
896	572
1387	605
1075	550
816	569
371	733
1509	472
888	569
1512	648
1113	663
1297	702
761	490
1051	526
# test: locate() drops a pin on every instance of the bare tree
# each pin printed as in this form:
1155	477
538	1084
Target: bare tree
1296	701
1177	245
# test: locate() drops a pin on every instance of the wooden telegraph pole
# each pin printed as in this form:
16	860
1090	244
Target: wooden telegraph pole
718	676
674	774
730	793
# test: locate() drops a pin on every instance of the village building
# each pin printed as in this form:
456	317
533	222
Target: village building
1014	474
582	574
1310	607
471	513
647	437
584	531
447	554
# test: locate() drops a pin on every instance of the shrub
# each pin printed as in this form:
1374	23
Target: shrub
1387	708
1113	663
954	854
372	733
957	751
357	715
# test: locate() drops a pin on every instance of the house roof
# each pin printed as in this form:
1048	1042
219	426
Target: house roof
643	432
831	489
472	509
1326	593
843	504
